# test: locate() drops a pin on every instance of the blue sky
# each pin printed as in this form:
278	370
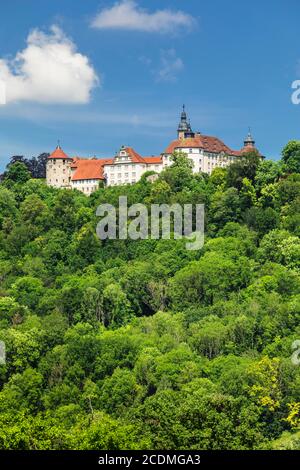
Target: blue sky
232	63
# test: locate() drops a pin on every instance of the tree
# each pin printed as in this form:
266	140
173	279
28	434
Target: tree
180	174
261	220
267	172
17	173
244	166
35	165
116	307
211	278
291	157
225	207
27	291
118	392
23	391
8	208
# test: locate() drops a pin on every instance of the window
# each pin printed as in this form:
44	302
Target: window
119	175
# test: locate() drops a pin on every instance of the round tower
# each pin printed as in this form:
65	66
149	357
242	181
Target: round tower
58	169
249	142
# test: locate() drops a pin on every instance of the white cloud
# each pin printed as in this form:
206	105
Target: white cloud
48	70
2	92
170	66
167	68
129	16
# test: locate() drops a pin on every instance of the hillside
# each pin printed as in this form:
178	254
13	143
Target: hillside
124	344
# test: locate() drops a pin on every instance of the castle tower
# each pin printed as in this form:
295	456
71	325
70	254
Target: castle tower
249	142
184	127
58	169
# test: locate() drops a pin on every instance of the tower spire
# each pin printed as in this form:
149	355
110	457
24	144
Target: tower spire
184	127
249	141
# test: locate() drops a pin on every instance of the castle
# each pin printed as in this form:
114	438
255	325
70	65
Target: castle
127	166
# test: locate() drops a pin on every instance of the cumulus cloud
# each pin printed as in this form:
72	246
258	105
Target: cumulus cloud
129	16
48	70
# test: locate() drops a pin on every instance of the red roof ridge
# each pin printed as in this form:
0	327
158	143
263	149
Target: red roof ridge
209	143
135	157
153	159
59	153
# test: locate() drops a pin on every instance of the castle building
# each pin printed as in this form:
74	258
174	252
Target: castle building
127	166
206	152
58	169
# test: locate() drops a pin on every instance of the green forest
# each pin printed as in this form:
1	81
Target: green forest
123	344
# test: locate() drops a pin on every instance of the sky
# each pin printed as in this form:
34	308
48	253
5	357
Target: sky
96	75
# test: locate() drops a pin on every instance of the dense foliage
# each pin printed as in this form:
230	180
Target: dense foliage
35	165
143	344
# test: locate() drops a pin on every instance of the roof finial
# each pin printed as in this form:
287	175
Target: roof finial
183	113
58	144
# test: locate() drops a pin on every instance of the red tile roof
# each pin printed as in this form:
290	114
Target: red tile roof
137	158
134	156
249	148
93	168
86	169
150	160
205	142
59	153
